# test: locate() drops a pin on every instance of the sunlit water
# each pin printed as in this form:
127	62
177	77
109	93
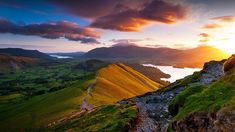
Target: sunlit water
60	56
176	73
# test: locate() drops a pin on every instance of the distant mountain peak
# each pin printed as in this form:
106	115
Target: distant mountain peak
125	45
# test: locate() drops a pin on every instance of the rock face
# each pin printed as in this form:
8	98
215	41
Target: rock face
222	121
230	63
212	70
153	107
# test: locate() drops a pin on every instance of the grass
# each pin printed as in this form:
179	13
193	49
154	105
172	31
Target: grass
185	81
118	81
105	118
211	98
41	110
180	99
14	97
39	80
35	97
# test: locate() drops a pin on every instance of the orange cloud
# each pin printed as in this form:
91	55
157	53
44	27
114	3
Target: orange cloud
205	35
211	26
225	19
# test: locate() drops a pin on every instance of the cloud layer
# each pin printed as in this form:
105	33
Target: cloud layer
52	30
125	15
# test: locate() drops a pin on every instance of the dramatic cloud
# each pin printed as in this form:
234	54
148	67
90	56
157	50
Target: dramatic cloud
211	26
205	35
125	15
225	19
52	30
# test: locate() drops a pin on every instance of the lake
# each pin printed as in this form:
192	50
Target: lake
176	73
60	56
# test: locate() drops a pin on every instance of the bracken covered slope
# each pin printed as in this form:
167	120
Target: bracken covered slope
118	81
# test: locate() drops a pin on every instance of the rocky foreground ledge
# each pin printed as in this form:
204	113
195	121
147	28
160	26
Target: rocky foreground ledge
165	110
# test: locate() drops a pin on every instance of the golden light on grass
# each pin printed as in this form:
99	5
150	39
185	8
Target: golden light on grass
118	81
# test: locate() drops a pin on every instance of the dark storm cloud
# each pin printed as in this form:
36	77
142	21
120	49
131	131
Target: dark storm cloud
52	30
124	15
86	8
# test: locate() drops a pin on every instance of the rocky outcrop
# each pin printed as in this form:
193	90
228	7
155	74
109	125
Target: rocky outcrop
153	107
212	70
230	63
222	119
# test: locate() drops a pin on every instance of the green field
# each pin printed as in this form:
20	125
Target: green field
105	118
36	96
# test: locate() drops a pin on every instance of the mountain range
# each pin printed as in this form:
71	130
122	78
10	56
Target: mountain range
159	56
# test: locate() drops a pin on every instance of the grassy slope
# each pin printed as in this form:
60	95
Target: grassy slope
43	109
105	118
219	94
118	81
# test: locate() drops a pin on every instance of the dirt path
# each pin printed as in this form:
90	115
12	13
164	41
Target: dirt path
85	105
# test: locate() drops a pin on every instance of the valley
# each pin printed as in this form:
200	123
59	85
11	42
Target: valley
38	95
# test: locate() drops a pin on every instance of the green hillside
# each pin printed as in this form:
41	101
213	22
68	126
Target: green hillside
41	110
64	89
105	118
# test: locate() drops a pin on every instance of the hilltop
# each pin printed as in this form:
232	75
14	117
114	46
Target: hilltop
118	81
13	59
25	53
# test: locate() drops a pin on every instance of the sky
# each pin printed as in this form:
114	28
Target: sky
82	25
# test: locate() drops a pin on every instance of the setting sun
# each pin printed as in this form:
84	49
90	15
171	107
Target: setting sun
227	44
